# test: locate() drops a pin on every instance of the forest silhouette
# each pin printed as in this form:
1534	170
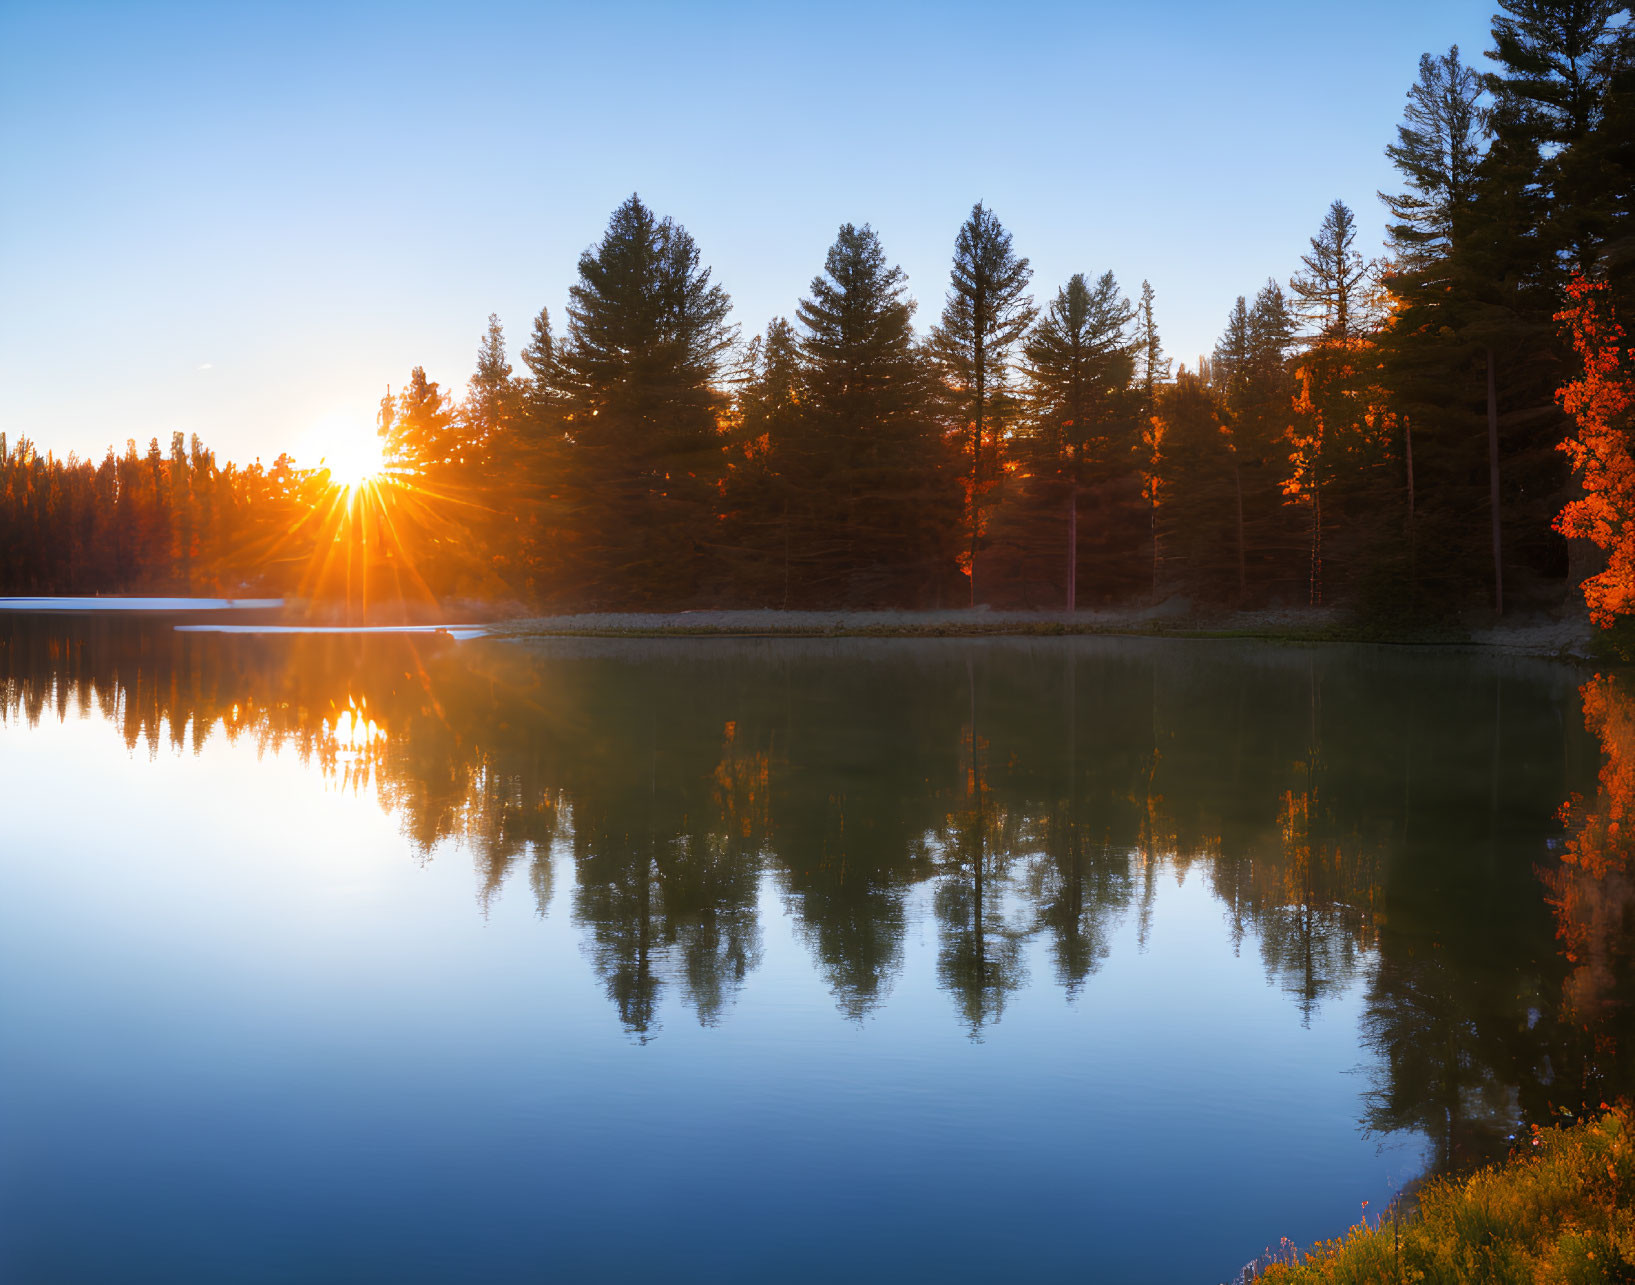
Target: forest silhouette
1379	433
1036	791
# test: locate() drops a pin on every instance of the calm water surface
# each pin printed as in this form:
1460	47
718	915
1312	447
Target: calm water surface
1091	959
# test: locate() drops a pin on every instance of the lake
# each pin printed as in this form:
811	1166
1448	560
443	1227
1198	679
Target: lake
404	959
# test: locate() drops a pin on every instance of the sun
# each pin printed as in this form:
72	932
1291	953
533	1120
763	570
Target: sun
351	452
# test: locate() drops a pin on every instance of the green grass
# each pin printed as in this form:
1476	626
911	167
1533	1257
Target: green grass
1561	1210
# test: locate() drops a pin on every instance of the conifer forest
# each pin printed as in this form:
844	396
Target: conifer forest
1412	431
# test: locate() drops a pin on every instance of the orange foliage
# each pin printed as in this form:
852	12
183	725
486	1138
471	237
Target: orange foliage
1601	401
1592	892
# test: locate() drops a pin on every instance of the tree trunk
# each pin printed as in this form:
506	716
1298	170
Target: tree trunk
1073	547
1493	482
1237	486
1408	453
1317	542
976	474
1413	543
1153	517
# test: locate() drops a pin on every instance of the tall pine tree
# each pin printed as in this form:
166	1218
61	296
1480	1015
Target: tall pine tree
877	509
987	312
639	371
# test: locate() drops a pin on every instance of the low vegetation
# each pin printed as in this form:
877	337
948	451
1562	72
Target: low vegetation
1561	1210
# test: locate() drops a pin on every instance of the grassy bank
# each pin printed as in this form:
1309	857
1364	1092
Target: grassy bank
1562	1210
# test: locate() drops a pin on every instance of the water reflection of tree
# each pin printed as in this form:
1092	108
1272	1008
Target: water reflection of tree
1348	811
980	960
1460	1013
1592	894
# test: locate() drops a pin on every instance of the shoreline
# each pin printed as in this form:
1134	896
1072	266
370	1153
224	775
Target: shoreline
1535	636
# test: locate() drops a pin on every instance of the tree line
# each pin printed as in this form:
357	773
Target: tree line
1378	432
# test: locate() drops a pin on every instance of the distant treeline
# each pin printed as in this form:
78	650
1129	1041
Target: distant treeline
1381	433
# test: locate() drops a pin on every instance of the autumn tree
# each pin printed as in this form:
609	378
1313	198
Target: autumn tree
1601	402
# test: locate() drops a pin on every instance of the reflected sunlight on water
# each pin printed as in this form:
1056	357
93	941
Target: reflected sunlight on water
486	960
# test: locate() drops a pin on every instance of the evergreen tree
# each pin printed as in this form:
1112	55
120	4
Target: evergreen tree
1433	365
1437	149
1336	410
1079	362
1250	375
639	368
539	386
1556	60
759	495
878	510
1261	416
1229	371
1152	366
492	396
1330	290
421	438
1194	492
987	312
1534	216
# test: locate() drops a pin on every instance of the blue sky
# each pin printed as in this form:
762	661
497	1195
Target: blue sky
247	221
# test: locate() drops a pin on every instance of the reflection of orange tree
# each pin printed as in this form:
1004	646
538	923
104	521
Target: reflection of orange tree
1592	890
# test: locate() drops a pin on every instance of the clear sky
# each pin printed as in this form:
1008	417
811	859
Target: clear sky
246	221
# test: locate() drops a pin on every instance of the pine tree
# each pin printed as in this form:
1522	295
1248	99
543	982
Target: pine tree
1230	369
1330	289
1336	408
1080	359
492	396
1603	163
1079	362
1194	495
758	495
987	312
1152	366
1533	218
1437	149
539	386
1231	374
421	437
877	509
639	369
1260	422
1427	347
